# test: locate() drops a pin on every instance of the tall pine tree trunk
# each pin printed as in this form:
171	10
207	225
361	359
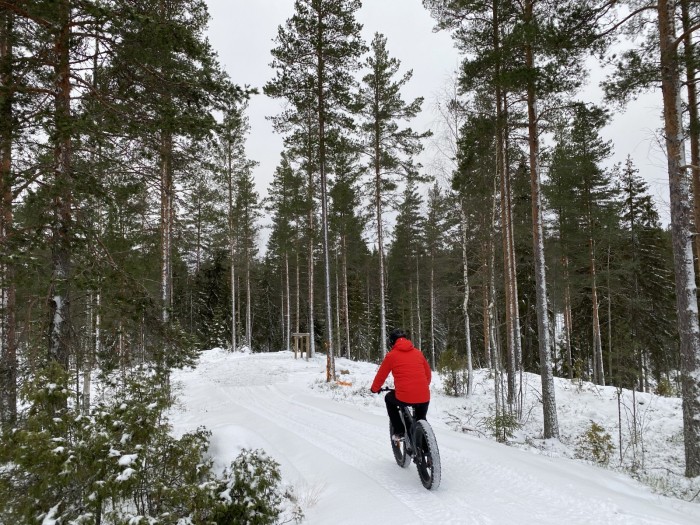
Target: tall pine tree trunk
418	316
694	127
338	313
297	291
287	293
506	225
346	301
686	292
248	301
465	303
485	298
380	239
567	317
432	311
61	264
166	225
517	345
231	242
551	424
312	335
8	349
598	372
321	72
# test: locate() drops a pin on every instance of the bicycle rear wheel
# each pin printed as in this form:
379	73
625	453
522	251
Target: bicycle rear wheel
427	456
399	449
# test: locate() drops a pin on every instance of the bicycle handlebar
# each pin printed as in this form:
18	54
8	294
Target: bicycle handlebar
384	389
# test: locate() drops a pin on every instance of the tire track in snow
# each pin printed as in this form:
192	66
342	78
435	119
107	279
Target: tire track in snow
362	450
481	483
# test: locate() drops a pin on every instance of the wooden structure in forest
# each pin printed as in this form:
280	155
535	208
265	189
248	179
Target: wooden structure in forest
301	343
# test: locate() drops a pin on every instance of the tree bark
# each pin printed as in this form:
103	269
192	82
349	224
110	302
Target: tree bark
418	316
380	233
432	311
465	303
598	371
61	256
231	239
346	301
166	225
248	299
694	127
287	292
8	348
321	72
567	317
686	292
312	334
551	424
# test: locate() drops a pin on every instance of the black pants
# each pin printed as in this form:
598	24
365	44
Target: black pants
392	408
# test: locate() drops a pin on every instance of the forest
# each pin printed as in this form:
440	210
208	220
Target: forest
130	219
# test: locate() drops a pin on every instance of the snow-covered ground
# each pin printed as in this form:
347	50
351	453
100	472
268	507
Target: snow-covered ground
333	447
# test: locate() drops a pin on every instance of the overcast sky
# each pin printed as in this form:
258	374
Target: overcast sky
242	33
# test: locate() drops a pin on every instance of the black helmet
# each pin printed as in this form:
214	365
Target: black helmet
396	334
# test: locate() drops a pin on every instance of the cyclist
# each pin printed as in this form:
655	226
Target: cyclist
411	380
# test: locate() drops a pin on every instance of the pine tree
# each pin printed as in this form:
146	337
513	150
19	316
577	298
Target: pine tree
404	259
686	291
247	211
658	59
583	196
646	306
232	158
8	348
317	52
389	148
168	77
437	231
346	226
286	205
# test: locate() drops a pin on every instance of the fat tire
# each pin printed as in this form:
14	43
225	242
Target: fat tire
427	456
399	450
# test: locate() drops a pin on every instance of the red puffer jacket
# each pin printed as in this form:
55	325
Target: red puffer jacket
410	370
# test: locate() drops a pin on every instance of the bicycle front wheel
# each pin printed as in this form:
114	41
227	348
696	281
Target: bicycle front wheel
427	456
399	449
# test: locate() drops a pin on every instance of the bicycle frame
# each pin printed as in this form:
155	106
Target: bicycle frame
408	419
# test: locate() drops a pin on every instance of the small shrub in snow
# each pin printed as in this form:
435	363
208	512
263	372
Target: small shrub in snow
595	444
120	464
665	388
250	492
502	426
452	369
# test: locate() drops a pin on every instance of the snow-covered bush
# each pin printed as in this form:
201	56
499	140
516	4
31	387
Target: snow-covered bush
251	492
120	464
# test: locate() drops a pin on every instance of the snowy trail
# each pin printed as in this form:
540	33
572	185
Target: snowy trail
337	455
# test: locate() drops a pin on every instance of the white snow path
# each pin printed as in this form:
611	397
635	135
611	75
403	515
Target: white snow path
338	458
